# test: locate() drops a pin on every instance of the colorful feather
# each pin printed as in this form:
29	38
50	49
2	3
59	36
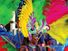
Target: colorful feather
58	30
56	15
6	8
38	6
24	16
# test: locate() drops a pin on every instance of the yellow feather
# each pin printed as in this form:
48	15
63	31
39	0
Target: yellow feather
59	29
24	16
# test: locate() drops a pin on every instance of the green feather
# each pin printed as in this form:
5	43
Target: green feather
38	9
9	47
14	4
5	15
6	8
